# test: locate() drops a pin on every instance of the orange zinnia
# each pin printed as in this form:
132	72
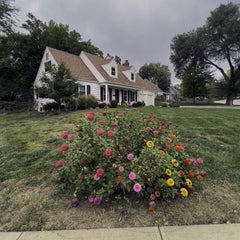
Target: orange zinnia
187	162
200	178
191	173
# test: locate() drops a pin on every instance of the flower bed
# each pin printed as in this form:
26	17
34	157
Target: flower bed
113	153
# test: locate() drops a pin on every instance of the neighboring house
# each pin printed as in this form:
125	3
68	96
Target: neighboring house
103	78
172	95
155	89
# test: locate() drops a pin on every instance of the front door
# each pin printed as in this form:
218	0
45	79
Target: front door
117	95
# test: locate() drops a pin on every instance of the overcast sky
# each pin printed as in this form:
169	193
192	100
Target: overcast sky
138	30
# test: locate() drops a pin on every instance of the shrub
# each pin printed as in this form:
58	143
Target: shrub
113	103
91	101
113	153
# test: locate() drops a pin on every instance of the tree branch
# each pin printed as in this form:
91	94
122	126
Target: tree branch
207	61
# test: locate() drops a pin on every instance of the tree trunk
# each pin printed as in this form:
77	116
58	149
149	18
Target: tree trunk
229	100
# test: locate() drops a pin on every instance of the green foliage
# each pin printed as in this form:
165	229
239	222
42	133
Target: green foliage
210	45
156	73
114	153
86	102
113	103
59	86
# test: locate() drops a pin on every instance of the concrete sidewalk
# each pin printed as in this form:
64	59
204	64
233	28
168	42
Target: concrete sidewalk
196	232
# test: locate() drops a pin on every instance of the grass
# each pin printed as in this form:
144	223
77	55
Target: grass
30	199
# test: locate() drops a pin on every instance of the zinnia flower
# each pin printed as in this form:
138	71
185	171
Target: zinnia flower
199	161
113	124
168	172
137	187
181	173
132	176
188	182
101	122
75	202
71	137
110	133
175	163
96	201
161	152
130	156
152	197
59	164
121	169
64	134
157	194
108	153
150	144
179	147
191	173
64	147
96	177
184	192
200	178
90	116
99	132
91	199
170	182
187	162
100	172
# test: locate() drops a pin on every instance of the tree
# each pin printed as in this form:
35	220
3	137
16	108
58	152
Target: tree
194	82
58	85
156	73
211	45
7	15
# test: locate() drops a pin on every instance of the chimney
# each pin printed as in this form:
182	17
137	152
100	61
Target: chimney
126	63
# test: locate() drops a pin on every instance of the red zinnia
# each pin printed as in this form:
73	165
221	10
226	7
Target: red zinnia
114	124
64	147
187	162
100	172
90	116
59	164
99	132
108	153
110	133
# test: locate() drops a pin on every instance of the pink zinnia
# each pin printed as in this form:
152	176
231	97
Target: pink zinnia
59	164
130	156
71	137
152	197
121	169
113	124
96	108
132	176
99	132
108	153
101	122
64	147
64	134
100	172
199	161
110	133
96	177
90	116
137	187
91	199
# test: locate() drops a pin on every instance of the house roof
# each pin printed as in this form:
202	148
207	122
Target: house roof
154	86
74	63
80	71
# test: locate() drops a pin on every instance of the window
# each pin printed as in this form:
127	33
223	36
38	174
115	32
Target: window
132	76
103	93
82	90
47	56
88	89
113	71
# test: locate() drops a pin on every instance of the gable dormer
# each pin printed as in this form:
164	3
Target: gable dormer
131	74
111	68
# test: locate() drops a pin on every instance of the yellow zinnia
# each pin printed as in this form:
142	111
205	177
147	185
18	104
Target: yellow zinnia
150	144
184	192
168	172
175	163
170	182
188	183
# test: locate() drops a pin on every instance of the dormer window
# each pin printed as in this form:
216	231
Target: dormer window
132	76
113	71
47	56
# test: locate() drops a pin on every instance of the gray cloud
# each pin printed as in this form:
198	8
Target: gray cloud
138	30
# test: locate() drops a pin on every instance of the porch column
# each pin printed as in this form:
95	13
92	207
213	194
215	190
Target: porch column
107	95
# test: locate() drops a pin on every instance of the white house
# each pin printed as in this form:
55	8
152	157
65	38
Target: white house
103	78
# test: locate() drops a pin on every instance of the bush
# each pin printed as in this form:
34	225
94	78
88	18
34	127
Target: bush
174	104
113	103
86	102
113	153
51	106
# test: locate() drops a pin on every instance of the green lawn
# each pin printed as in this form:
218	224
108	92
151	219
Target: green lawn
30	199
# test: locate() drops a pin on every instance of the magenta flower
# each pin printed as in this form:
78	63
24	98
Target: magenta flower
132	176
108	153
110	133
97	201
75	202
130	156
64	147
121	169
137	187
64	134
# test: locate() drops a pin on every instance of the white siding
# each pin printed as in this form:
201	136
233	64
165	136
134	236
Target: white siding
147	97
108	68
95	88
